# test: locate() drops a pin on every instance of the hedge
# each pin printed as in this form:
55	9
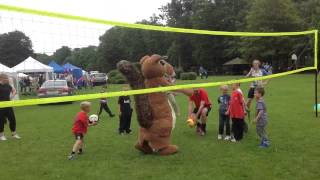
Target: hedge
115	77
188	76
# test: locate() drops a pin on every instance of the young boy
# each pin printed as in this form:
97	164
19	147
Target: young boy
236	111
261	119
104	106
224	120
79	128
125	113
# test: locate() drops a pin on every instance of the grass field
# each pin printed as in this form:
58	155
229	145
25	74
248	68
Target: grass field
47	140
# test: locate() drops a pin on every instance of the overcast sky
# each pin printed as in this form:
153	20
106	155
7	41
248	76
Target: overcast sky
48	34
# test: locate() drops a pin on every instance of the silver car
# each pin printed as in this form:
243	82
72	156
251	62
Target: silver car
99	79
55	88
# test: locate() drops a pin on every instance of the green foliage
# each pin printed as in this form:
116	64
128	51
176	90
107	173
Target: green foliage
178	72
14	48
61	54
188	76
115	77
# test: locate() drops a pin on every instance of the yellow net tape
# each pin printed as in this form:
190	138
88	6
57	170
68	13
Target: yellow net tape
155	28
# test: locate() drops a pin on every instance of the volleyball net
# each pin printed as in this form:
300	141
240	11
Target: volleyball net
193	52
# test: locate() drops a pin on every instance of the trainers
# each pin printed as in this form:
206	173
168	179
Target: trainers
227	138
219	137
16	136
71	157
233	140
3	138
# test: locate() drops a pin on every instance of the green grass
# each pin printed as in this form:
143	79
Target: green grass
47	140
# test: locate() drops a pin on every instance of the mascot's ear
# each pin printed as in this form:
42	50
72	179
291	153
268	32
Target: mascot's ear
156	58
143	59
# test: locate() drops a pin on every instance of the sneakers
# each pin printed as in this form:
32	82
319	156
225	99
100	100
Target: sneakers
219	137
3	138
71	157
227	138
264	144
16	136
233	140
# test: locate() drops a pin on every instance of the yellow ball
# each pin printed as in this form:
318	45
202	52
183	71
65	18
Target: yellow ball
191	123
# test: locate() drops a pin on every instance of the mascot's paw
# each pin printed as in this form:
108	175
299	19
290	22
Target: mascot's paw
171	149
144	147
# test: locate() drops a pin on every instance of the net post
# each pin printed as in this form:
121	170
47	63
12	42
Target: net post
316	39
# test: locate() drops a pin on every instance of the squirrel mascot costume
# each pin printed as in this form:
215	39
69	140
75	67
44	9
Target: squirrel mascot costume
155	114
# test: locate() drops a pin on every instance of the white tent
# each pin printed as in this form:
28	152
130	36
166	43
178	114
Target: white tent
31	65
5	69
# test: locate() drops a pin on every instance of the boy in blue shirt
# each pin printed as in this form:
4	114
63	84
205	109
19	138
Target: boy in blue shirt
261	119
224	120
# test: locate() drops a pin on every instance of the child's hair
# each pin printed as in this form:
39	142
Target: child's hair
260	90
223	87
84	105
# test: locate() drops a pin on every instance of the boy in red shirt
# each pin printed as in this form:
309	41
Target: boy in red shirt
80	127
199	107
236	111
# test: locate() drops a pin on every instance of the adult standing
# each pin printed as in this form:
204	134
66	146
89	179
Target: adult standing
199	107
254	72
6	93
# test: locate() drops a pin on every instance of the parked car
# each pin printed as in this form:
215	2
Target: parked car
98	79
55	88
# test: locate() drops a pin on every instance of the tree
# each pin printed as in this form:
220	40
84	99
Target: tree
61	54
14	48
85	58
271	16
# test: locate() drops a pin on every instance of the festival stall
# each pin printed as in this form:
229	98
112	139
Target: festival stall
31	65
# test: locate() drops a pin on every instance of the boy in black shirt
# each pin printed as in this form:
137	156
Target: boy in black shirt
125	114
224	120
104	106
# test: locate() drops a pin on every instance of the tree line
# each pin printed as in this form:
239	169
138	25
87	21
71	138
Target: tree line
186	51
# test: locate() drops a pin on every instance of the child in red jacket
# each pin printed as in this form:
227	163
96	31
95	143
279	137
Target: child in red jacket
80	127
236	111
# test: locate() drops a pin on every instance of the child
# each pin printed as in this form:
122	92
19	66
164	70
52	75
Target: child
79	128
104	105
125	113
237	112
261	119
224	120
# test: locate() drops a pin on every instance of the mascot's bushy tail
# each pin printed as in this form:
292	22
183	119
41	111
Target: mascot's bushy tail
136	81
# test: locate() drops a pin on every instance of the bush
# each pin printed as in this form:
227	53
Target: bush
178	72
115	77
188	76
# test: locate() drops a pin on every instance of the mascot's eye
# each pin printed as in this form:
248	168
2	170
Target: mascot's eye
162	63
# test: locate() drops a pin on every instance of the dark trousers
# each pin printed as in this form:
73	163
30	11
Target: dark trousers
237	128
224	121
7	113
104	106
125	122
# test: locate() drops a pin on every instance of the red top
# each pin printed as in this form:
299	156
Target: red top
202	96
236	107
81	123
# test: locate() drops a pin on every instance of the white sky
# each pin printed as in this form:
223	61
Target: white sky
48	34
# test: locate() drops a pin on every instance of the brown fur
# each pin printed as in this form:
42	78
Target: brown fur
136	81
157	137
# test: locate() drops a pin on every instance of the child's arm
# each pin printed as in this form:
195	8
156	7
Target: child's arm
259	114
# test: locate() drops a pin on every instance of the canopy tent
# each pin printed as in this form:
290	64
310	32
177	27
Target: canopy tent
56	67
31	65
5	69
22	75
236	66
236	61
76	71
